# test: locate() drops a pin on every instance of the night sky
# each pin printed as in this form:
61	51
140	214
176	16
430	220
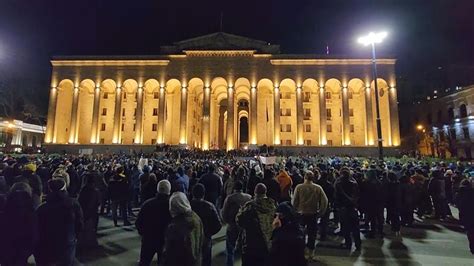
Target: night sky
423	34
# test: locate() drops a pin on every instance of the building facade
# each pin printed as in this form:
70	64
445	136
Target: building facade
445	124
221	91
20	134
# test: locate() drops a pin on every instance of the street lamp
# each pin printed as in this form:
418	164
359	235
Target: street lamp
371	39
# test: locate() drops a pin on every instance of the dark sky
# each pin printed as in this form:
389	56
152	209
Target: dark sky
423	34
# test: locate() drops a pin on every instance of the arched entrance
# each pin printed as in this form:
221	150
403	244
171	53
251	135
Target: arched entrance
222	125
243	126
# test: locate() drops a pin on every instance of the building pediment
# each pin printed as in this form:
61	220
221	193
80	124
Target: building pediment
221	41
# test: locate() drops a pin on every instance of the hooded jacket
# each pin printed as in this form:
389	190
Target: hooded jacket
285	182
255	218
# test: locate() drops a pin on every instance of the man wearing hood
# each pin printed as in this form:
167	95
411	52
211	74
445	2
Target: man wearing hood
255	218
185	234
29	176
59	222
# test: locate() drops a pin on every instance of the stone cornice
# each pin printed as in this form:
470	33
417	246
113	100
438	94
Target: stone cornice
325	62
110	62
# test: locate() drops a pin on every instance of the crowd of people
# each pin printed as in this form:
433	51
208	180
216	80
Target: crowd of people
273	213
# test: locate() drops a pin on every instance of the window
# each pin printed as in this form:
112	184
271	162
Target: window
349	95
102	141
329	128
351	112
194	128
328	95
156	95
328	114
123	111
106	95
153	141
452	133
307	142
307	113
329	142
465	131
285	112
155	111
287	142
134	127
104	111
307	128
123	127
135	112
352	128
154	127
125	95
462	111
102	127
285	128
285	95
306	96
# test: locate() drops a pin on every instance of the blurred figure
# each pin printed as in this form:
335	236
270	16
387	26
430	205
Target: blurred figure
185	234
393	202
437	191
28	175
118	192
464	201
286	183
213	184
89	199
255	218
152	221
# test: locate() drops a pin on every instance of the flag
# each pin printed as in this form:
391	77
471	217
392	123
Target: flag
327	48
266	111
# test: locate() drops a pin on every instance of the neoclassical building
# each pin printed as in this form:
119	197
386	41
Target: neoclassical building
221	91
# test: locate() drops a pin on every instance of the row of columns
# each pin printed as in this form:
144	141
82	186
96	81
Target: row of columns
231	123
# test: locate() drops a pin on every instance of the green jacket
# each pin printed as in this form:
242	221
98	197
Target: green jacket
256	218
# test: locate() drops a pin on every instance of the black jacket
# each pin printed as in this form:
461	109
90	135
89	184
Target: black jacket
153	218
213	184
75	182
288	246
464	201
59	222
209	216
31	179
118	190
273	188
89	199
347	193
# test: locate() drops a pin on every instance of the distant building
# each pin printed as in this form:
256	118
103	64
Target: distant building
20	134
221	91
445	125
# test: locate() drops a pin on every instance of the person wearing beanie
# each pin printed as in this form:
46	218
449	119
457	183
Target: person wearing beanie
310	201
185	234
255	218
210	220
29	176
152	221
229	211
60	221
288	243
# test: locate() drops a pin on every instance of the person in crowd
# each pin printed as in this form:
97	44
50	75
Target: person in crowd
89	199
61	172
310	202
229	211
464	201
255	177
148	189
328	189
285	182
296	177
152	222
60	221
448	185
44	172
287	247
346	199
213	184
29	176
184	236
18	226
437	191
179	181
408	199
238	175
372	202
210	220
273	188
393	202
118	192
256	218
75	184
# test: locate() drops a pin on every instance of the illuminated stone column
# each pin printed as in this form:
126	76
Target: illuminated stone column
346	130
230	118
253	116
394	121
50	125
322	117
369	129
205	118
74	126
299	117
276	116
118	115
161	116
139	118
183	116
95	116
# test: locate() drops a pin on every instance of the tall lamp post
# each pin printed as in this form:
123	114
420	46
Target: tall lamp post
371	39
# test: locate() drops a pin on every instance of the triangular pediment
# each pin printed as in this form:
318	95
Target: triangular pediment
221	41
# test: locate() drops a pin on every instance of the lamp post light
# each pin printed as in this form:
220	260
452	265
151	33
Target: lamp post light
371	39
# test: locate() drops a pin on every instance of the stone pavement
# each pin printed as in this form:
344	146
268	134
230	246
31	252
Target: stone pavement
428	243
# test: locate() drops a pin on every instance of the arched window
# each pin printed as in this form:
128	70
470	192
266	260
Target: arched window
462	111
451	113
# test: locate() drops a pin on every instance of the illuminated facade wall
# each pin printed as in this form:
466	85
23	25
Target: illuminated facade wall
221	98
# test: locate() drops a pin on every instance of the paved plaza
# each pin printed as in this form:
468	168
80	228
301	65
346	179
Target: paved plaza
428	243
